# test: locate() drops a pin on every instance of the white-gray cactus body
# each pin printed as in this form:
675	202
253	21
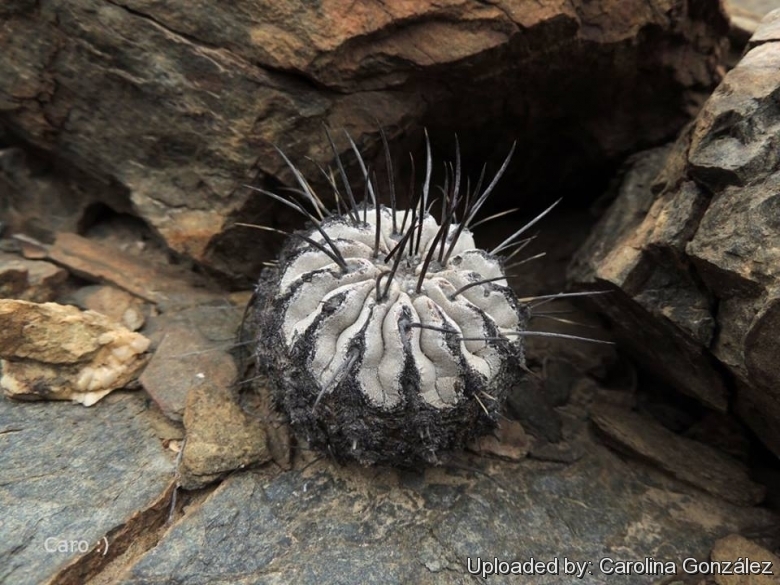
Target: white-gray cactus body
389	341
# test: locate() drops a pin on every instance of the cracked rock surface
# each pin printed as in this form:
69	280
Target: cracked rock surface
195	96
692	247
89	473
75	474
327	523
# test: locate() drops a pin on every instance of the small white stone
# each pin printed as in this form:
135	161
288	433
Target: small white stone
123	353
84	379
139	344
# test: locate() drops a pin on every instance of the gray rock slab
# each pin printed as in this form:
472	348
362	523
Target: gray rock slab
330	524
72	474
192	346
712	471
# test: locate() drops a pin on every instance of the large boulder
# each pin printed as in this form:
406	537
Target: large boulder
694	253
163	110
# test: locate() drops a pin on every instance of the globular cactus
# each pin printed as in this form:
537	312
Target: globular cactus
387	335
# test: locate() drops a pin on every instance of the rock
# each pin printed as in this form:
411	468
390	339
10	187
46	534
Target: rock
39	201
193	345
615	398
688	460
559	377
735	547
29	280
183	360
192	377
625	214
745	17
221	437
77	476
103	263
526	403
698	277
560	452
57	352
332	523
769	31
724	433
260	405
167	430
28	247
201	94
730	141
675	413
508	441
659	310
218	321
112	302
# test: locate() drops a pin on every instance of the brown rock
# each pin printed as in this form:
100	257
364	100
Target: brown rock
57	352
36	202
102	263
690	461
112	302
745	17
185	359
733	548
168	431
508	441
221	437
768	30
29	280
201	94
699	271
260	405
561	452
29	247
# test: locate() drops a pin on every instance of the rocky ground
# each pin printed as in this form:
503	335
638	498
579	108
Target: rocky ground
571	474
661	448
